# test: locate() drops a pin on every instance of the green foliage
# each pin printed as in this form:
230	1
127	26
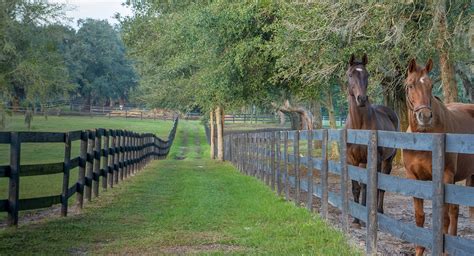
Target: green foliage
203	54
255	52
42	60
97	62
31	66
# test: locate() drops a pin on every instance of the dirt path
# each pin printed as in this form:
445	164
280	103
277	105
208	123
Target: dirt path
397	207
184	146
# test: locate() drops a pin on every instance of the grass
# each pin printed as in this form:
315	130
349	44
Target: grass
193	205
36	153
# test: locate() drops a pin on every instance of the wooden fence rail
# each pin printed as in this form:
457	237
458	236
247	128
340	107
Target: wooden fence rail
106	158
254	154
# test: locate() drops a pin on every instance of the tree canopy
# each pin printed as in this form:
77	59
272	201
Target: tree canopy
211	53
43	61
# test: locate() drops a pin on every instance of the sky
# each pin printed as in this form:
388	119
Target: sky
96	9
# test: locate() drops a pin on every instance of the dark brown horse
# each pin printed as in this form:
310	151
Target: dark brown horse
428	114
365	116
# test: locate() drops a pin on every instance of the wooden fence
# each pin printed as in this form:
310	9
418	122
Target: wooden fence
267	156
106	158
100	111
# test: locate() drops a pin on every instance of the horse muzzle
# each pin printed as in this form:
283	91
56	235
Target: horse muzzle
361	100
424	117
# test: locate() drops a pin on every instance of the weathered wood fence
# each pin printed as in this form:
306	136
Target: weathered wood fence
106	158
267	156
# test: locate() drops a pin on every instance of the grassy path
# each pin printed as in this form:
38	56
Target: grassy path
187	206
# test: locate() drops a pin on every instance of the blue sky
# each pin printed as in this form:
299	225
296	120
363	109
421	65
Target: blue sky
100	9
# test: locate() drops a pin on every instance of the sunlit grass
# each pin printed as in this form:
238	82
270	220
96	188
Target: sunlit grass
183	205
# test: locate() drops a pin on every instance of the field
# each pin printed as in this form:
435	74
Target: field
191	205
37	186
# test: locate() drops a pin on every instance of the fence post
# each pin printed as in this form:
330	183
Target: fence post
372	164
105	162
344	179
120	155
324	175
296	152
116	156
66	168
81	179
14	180
272	159
266	160
438	192
89	165
126	168
309	203
96	154
278	162
248	138
286	170
256	156
241	142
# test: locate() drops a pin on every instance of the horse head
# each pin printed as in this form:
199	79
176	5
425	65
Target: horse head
358	78
418	90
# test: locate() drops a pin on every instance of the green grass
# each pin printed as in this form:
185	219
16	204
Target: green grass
36	153
191	205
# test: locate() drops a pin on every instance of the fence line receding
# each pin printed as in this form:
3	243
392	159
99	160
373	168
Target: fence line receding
106	158
274	158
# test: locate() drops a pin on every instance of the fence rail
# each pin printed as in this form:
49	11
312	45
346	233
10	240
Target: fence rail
267	156
106	157
110	112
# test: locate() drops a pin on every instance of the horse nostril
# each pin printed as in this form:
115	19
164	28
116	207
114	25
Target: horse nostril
362	99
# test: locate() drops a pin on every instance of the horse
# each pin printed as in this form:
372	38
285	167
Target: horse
365	116
427	114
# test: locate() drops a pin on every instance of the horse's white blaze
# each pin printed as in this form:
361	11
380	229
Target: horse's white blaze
359	69
422	79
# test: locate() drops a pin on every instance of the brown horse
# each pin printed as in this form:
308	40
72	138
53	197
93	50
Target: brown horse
364	116
428	114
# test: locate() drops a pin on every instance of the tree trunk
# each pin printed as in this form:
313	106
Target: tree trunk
332	123
301	118
87	104
211	127
220	133
450	89
330	108
43	109
317	115
15	103
282	118
466	79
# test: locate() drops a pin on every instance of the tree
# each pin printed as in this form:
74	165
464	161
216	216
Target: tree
30	63
184	67
98	64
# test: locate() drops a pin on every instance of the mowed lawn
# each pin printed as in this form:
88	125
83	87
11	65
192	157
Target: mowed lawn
35	153
188	206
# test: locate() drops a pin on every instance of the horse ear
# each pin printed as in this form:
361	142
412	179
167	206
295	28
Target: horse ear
412	66
352	60
365	60
429	65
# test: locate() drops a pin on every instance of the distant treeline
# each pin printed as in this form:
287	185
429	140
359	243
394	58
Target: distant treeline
42	60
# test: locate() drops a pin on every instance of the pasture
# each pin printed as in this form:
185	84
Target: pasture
188	204
37	186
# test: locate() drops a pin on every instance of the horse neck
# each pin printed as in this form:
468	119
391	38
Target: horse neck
440	118
360	118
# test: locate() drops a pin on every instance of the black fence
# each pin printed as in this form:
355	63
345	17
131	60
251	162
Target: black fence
106	158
